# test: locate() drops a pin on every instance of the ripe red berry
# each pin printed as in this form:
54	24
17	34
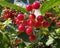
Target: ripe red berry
20	17
48	14
29	31
29	7
32	17
46	24
14	14
40	18
38	24
58	23
27	22
36	5
6	16
31	23
21	28
54	19
32	38
18	22
6	11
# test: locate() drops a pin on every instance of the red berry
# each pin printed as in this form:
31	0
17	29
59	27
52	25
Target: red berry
6	10
58	23
14	14
54	19
21	28
38	24
40	18
36	5
32	38
29	31
29	7
31	23
18	22
27	22
48	14
20	17
32	17
46	24
5	16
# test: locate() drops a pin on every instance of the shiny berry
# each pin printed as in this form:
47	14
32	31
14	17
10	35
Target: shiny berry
29	31
20	17
54	19
6	16
36	5
29	7
58	23
32	17
18	22
40	18
17	41
48	14
27	22
38	24
46	24
32	38
31	23
6	10
21	28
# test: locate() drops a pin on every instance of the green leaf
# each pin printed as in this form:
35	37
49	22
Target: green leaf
1	36
22	45
31	1
24	36
5	38
7	22
12	29
58	31
57	43
12	6
56	9
48	5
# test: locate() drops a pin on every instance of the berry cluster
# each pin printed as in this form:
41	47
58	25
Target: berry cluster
29	23
32	22
35	5
8	13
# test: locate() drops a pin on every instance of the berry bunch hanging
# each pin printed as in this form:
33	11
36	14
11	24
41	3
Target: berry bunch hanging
8	13
30	23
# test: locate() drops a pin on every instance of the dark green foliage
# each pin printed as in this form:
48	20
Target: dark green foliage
48	5
24	36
